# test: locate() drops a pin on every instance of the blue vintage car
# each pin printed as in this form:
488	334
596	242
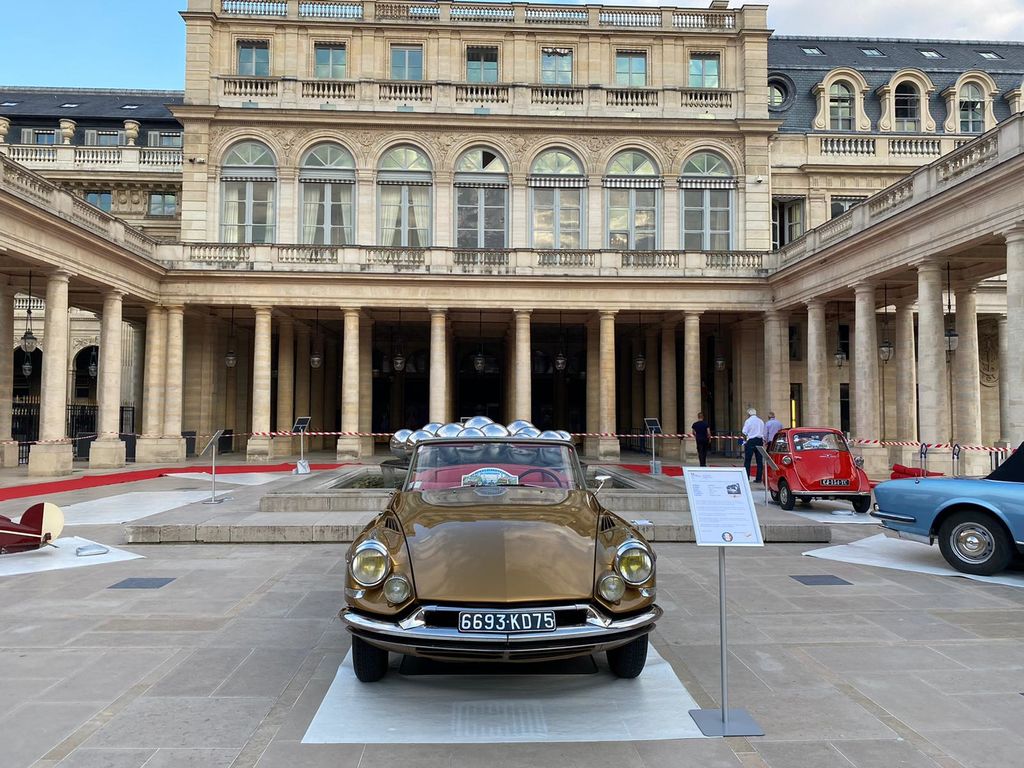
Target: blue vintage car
979	523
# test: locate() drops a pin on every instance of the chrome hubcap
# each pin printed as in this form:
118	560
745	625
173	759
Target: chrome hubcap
972	543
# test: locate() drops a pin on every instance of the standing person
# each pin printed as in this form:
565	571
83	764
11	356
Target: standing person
771	428
702	435
753	431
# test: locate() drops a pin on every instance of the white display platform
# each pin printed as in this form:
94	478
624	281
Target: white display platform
234	478
125	507
486	709
61	555
823	515
901	555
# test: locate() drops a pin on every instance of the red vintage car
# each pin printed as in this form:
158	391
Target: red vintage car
816	463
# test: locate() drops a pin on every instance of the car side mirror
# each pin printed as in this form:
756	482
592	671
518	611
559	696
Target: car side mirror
858	462
602	479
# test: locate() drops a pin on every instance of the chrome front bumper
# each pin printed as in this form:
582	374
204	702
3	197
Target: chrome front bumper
412	636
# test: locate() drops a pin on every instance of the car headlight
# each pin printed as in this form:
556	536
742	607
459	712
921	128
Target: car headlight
397	590
611	588
370	563
634	563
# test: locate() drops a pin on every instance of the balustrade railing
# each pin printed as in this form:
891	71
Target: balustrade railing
847	145
218	252
968	158
734	260
252	87
154	156
472	259
307	254
398	258
255	7
89	216
404	91
573	259
706	98
556	95
97	155
499	14
650	259
333	90
632	97
549	15
623	18
914	147
31	153
330	10
703	20
481	93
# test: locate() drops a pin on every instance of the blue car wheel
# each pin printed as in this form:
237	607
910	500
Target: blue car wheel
976	543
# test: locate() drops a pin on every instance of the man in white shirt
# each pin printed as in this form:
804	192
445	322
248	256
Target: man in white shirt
771	428
753	432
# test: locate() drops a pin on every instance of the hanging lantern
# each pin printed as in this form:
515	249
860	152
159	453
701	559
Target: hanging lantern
719	363
479	362
840	357
26	367
560	361
93	366
885	351
230	357
952	340
29	342
316	359
952	337
640	362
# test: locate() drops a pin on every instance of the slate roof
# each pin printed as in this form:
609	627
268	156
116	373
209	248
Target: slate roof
785	57
93	104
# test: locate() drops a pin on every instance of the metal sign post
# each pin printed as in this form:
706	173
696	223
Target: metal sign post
956	460
653	428
922	457
302	426
213	468
768	463
723	514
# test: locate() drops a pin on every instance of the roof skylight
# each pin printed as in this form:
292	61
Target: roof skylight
930	53
871	52
68	105
812	51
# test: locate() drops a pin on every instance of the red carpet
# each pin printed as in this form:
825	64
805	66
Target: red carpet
131	476
645	469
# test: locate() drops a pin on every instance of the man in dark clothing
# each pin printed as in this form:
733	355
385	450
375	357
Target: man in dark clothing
702	435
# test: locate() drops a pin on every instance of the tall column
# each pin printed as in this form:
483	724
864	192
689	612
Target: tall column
865	372
607	447
906	374
1015	330
348	446
366	385
691	374
108	450
669	447
866	385
932	384
593	387
524	367
967	379
438	366
816	410
776	365
174	443
1004	383
53	456
258	448
652	386
284	446
8	446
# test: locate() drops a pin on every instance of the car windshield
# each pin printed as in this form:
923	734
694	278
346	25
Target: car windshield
819	441
472	464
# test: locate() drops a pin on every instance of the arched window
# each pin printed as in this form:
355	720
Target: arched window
840	107
481	199
972	109
403	193
327	177
557	187
248	184
632	184
707	185
908	108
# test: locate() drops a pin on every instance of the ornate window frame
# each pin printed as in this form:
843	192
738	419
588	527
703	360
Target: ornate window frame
859	87
887	95
989	92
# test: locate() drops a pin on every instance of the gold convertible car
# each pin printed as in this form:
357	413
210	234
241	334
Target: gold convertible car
494	550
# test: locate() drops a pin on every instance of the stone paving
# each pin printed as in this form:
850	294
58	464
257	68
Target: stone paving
227	664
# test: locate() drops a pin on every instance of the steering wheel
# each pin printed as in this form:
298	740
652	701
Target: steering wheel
546	473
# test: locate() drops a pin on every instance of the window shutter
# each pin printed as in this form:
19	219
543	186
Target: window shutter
26	136
153	138
90	138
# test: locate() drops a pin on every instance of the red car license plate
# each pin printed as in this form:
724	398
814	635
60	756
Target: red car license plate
835	482
507	622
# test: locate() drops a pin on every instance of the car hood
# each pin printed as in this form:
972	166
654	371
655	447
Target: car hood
521	546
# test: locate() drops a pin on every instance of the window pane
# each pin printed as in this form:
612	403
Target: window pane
543	239
569	198
543	219
644	241
693	220
719	198
693	241
646	198
543	198
618	240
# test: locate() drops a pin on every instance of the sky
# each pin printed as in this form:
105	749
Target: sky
141	43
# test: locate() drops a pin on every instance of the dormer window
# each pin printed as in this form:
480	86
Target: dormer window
873	52
812	51
990	55
908	108
930	53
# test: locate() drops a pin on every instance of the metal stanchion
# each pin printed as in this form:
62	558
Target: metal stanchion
212	445
955	457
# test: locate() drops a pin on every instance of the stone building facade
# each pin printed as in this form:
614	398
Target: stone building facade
578	215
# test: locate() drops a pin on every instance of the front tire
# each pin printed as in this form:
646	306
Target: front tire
370	663
862	504
976	543
627	661
786	499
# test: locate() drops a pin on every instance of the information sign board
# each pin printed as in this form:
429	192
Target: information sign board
722	507
653	425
